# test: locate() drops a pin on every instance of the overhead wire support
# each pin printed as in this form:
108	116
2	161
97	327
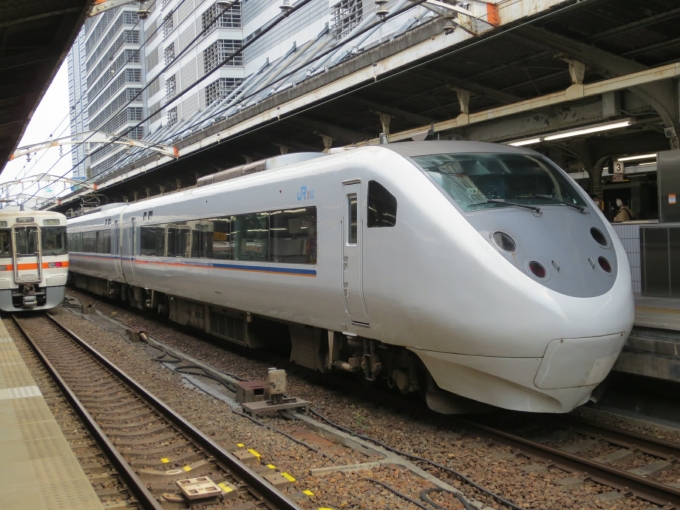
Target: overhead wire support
94	137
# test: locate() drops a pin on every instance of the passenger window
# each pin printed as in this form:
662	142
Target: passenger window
352	226
254	234
148	241
90	242
292	236
382	206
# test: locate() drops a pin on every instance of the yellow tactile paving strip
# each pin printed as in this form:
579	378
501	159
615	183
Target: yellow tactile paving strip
37	467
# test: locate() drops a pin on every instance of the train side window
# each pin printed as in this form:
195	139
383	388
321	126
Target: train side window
104	241
90	242
292	236
148	241
382	206
254	236
53	240
218	238
75	242
353	220
5	243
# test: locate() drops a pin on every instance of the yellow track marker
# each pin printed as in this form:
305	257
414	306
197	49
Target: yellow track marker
240	445
255	453
271	466
308	492
165	460
187	468
288	477
224	487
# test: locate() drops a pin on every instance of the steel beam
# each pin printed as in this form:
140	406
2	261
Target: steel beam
573	93
658	94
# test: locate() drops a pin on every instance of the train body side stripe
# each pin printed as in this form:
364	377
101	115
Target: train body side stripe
25	267
207	265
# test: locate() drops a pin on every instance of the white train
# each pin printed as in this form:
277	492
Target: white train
462	268
33	260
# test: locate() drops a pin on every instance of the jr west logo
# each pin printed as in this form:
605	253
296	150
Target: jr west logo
304	194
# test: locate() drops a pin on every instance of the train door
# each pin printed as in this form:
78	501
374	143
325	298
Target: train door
117	249
351	254
27	254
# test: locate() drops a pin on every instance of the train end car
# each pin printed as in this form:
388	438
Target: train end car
33	260
451	269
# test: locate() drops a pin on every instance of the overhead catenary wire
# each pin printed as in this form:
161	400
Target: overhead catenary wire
300	4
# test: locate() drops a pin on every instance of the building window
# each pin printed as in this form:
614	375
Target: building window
169	54
220	89
172	116
230	19
347	14
219	51
168	25
170	87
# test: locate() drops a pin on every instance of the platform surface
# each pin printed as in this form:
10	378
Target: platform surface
662	313
38	468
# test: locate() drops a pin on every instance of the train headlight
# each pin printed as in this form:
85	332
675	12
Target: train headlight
538	270
605	265
599	237
504	241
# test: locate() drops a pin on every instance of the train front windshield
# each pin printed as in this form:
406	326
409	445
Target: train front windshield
487	181
52	241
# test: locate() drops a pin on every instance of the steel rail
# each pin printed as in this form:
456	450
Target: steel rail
643	488
138	488
271	496
622	437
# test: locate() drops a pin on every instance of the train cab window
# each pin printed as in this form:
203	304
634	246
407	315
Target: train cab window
382	206
53	240
5	243
353	220
292	236
26	239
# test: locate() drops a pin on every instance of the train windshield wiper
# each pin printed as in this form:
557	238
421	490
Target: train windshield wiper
514	204
564	202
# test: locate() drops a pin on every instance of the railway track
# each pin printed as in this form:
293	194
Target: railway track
141	435
569	441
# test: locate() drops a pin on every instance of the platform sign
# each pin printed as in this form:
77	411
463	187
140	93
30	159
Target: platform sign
672	198
618	167
617	178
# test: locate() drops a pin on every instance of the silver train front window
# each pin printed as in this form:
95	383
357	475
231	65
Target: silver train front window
486	181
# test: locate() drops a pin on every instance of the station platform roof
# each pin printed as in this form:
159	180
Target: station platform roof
35	37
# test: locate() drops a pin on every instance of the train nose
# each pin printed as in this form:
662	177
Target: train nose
575	362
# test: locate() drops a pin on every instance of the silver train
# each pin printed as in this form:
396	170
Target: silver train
448	268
